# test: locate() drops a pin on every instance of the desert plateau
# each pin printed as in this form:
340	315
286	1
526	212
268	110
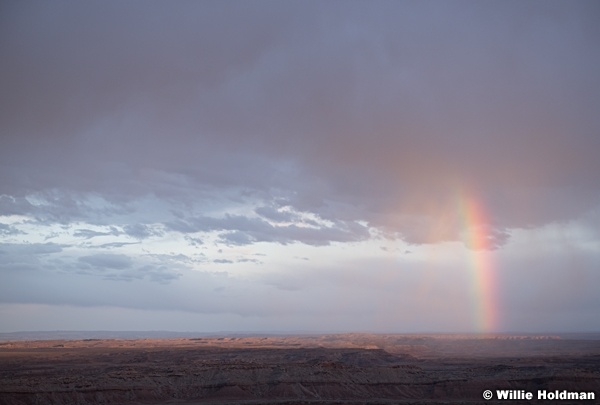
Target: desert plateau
305	369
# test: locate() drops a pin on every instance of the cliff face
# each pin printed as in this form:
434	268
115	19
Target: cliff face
196	371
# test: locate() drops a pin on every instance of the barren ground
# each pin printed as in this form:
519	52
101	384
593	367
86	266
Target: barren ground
323	369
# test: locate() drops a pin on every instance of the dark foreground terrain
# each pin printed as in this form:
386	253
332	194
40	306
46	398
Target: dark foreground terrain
326	369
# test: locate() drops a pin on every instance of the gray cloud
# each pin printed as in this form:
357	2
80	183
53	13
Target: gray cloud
237	238
89	234
26	258
10	205
223	261
139	231
8	230
111	245
274	214
107	260
242	230
120	267
28	249
194	241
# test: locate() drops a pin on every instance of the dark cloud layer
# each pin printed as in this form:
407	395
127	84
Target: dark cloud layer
384	107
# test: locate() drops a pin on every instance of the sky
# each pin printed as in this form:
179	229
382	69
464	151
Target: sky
300	166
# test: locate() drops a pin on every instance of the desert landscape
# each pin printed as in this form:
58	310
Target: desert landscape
305	202
304	369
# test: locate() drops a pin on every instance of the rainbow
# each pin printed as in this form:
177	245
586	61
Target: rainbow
475	222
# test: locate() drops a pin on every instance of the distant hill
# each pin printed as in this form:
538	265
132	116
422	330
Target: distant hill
99	334
102	334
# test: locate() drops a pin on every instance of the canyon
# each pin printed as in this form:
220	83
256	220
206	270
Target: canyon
302	369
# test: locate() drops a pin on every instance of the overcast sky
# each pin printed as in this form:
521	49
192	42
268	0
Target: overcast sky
402	166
